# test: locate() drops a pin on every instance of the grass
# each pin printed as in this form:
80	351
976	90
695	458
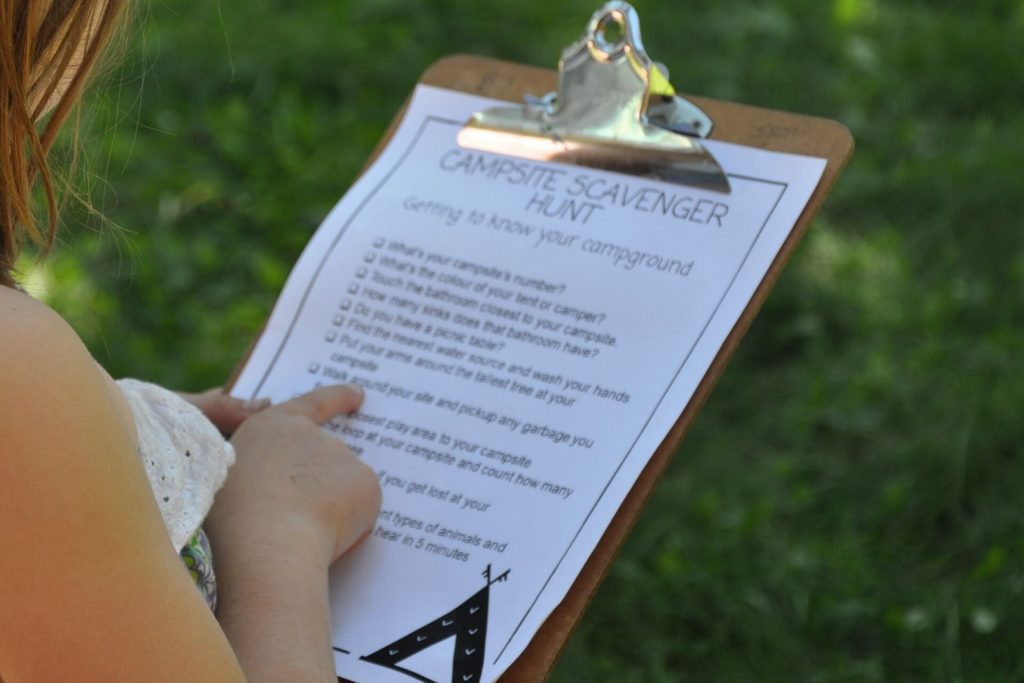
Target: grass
847	507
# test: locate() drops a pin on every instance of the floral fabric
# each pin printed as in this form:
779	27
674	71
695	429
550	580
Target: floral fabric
198	559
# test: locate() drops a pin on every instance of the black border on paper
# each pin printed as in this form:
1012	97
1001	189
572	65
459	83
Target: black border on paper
784	187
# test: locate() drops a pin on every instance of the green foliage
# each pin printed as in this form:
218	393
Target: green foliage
847	507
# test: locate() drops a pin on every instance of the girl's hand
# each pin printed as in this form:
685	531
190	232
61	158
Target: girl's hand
225	412
294	483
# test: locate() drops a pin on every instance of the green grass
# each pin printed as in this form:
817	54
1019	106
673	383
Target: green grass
848	505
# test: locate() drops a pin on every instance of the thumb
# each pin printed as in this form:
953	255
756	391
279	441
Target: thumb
225	412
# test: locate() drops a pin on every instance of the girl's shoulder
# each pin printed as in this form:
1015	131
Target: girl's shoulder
31	331
33	337
56	404
55	400
27	327
44	366
86	561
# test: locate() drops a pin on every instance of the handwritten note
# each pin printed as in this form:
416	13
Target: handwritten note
527	333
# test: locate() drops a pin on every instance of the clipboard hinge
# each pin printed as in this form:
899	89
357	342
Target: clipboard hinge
614	110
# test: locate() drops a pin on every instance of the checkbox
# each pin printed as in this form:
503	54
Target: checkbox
378	243
330	336
370	257
353	289
361	273
314	367
346	304
338	321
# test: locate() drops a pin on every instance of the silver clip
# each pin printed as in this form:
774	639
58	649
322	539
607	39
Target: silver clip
614	110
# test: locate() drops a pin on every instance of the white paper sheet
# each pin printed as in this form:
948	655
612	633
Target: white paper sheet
527	334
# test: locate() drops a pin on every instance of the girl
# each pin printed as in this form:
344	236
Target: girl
104	486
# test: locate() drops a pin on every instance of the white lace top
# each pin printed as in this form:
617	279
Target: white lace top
185	456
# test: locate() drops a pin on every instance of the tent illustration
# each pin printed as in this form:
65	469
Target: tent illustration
467	623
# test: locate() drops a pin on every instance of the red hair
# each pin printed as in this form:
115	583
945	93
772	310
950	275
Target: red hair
47	50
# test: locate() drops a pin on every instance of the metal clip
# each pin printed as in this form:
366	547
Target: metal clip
614	110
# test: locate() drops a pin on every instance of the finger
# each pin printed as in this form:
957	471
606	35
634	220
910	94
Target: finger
324	403
228	413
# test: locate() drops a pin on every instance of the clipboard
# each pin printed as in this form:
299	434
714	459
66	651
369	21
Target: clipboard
736	123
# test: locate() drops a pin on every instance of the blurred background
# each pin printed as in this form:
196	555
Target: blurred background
849	504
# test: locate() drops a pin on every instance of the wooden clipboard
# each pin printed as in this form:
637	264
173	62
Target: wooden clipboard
752	126
762	128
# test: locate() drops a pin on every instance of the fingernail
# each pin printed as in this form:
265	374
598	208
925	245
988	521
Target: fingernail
256	405
358	389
